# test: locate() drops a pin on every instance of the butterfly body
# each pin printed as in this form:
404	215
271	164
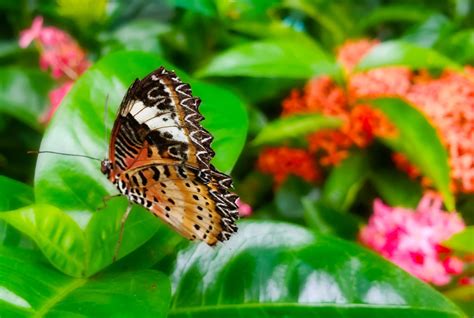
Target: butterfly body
160	158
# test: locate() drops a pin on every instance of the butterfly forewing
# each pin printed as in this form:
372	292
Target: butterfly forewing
160	109
160	158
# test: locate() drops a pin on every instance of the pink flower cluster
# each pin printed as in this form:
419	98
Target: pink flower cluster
413	239
60	53
244	208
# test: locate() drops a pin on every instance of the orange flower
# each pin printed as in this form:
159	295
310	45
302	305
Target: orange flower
320	95
386	81
284	161
352	51
329	146
403	164
361	123
449	102
365	123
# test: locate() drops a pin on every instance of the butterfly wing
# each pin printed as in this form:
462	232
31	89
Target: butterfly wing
197	210
159	120
161	156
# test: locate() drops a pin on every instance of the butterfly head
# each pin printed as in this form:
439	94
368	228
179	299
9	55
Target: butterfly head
106	167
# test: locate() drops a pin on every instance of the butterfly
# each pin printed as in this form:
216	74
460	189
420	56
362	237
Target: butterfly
159	157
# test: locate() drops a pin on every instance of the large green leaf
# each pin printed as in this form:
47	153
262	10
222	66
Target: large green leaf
14	195
23	93
32	288
279	270
399	53
56	234
76	185
81	253
295	57
419	141
296	126
345	181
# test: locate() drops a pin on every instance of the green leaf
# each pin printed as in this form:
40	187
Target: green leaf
23	94
14	194
139	35
436	28
273	269
9	48
82	252
326	220
31	288
247	11
296	126
462	241
102	234
462	296
399	53
288	198
396	13
461	9
56	234
321	15
418	140
77	186
164	245
83	12
204	7
460	46
345	181
396	188
275	57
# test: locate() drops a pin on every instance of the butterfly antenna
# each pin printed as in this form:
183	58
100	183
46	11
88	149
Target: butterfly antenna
122	226
35	152
106	135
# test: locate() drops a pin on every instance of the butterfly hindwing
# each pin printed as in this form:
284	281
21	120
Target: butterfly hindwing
160	158
204	211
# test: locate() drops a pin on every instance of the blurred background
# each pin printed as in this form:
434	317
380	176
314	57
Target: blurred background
360	113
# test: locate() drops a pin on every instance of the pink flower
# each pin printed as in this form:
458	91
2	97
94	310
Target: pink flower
244	208
60	53
58	50
29	35
412	239
55	98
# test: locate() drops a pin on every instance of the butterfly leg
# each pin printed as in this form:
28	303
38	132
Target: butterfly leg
106	199
122	225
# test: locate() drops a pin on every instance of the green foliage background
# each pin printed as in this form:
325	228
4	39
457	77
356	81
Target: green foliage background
296	256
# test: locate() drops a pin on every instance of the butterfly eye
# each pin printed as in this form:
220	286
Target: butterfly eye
106	167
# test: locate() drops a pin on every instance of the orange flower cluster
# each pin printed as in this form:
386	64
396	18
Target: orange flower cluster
447	100
283	161
361	123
